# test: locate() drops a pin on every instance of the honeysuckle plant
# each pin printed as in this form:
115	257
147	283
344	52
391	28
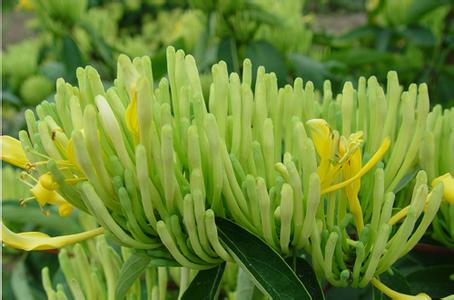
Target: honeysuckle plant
253	174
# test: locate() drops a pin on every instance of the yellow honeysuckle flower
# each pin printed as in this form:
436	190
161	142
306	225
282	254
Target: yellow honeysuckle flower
396	295
44	192
345	158
132	120
29	241
372	162
13	153
448	186
348	156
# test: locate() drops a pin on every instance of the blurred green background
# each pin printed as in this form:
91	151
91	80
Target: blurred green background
339	40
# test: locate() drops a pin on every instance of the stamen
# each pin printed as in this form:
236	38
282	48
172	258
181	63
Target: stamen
23	202
372	162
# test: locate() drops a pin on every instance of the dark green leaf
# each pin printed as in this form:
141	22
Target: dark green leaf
396	281
227	52
205	286
266	267
435	281
72	57
131	270
262	53
309	69
159	63
205	50
383	39
307	276
102	48
419	36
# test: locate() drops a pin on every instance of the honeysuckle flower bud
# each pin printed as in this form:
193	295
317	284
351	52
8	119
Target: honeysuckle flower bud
29	241
448	187
13	153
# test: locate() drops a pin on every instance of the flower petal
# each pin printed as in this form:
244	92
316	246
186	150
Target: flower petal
29	241
321	135
448	186
12	152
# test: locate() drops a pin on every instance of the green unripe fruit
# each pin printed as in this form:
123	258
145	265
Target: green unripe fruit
35	89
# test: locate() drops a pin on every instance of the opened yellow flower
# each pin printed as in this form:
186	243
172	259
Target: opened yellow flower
342	157
13	153
448	187
29	241
345	156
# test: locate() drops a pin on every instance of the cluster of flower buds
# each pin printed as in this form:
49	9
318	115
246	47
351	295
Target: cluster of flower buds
156	164
436	157
91	271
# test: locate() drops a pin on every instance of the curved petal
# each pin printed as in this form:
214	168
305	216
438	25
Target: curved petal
29	241
448	186
372	162
12	152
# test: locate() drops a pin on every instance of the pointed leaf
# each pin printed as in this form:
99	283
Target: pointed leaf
266	267
131	270
72	57
205	285
307	276
434	280
262	53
